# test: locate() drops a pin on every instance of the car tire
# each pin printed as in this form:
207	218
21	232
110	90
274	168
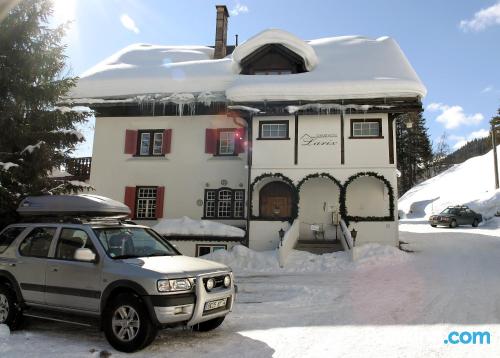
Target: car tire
136	332
453	223
10	311
433	225
208	325
475	223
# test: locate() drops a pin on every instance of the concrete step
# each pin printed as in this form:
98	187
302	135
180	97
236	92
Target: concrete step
319	246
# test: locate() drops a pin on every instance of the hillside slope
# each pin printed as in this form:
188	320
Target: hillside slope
469	183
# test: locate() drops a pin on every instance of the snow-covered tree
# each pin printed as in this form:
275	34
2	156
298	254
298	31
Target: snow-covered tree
37	134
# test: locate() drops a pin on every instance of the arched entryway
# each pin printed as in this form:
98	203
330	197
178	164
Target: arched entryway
368	196
275	201
319	207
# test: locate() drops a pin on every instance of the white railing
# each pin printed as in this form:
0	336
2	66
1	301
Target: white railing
346	237
288	243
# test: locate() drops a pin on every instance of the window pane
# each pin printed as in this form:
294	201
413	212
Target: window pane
226	142
274	130
37	243
158	144
366	129
71	240
146	203
145	138
203	250
8	236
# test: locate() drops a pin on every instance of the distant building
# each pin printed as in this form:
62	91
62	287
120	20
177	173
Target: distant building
279	131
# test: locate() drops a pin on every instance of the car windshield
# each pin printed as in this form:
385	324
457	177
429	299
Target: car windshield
452	211
130	242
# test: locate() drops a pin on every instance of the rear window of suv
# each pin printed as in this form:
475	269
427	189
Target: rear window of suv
8	236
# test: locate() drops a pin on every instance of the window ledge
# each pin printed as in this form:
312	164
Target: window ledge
287	138
225	157
147	157
366	137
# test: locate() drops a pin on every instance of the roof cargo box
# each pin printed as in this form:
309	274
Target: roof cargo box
72	205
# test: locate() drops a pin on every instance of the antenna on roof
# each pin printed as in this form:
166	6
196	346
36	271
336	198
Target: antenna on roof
236	43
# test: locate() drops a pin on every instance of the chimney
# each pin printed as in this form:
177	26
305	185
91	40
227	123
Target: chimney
221	31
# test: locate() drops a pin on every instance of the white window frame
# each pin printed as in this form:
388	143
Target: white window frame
224	203
366	129
226	142
212	247
146	203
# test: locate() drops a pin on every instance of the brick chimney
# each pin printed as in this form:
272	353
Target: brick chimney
221	31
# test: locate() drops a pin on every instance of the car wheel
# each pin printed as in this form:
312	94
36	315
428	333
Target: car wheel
208	325
475	223
127	325
10	312
433	225
453	223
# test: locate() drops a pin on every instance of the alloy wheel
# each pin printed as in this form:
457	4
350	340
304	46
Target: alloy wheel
125	323
4	308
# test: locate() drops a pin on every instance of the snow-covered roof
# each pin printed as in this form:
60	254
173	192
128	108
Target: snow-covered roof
189	227
339	67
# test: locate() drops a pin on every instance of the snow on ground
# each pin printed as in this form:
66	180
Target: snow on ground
187	226
393	304
469	183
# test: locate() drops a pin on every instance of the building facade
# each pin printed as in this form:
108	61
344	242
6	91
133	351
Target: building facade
279	130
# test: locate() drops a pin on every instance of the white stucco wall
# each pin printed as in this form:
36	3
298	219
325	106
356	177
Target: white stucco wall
264	234
185	172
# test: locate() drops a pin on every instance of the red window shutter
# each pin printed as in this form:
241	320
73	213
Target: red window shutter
239	140
211	141
167	140
160	198
130	141
130	199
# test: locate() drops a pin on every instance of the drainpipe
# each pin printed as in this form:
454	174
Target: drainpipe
249	178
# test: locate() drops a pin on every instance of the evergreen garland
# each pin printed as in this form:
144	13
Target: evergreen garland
343	196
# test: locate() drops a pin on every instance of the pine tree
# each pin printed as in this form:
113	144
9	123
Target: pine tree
37	134
414	151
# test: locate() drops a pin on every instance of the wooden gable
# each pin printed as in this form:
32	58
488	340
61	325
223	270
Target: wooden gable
272	58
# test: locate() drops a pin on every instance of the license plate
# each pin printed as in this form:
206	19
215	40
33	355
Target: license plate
215	304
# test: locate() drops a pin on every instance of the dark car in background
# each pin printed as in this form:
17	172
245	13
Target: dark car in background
454	216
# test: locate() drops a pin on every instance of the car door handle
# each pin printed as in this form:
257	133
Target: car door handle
54	269
12	264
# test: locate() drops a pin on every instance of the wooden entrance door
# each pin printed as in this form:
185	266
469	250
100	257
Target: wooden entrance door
275	201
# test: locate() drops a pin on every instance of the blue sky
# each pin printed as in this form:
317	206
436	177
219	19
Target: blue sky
453	45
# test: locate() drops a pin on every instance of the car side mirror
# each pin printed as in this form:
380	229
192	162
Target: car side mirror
86	255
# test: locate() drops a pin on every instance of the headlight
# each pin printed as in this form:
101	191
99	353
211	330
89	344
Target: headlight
210	284
227	281
180	284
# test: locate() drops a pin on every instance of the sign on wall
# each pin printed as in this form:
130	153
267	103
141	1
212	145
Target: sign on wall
324	139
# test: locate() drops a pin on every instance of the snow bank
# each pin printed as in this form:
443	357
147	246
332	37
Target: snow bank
244	260
469	183
376	254
340	67
4	331
189	227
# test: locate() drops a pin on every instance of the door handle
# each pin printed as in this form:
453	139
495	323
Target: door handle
54	269
12	264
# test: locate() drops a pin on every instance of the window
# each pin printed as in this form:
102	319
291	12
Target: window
226	142
146	203
151	142
366	128
224	203
273	130
71	240
208	249
8	236
37	243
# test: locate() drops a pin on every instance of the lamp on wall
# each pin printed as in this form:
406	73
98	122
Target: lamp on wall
354	233
281	233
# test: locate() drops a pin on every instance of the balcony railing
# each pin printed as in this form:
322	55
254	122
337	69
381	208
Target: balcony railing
79	168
